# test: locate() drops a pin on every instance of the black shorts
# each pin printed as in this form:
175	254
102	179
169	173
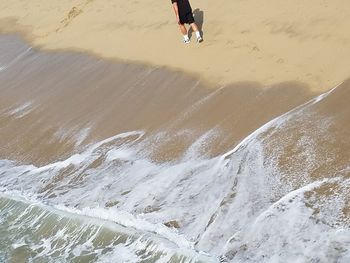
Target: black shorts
186	18
185	11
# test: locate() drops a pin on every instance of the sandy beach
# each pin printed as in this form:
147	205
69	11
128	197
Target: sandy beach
118	143
92	151
269	43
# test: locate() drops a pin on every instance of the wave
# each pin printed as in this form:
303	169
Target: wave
276	192
34	230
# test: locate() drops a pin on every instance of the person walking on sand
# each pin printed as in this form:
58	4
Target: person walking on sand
183	12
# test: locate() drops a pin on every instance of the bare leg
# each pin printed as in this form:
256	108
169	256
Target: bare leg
194	27
183	29
196	30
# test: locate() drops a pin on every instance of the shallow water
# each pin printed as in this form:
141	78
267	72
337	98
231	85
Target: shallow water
41	233
100	159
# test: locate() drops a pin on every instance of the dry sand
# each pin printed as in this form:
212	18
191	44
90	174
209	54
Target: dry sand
245	40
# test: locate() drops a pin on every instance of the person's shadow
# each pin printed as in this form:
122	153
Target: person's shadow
199	19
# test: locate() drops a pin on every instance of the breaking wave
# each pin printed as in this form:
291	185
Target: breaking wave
280	193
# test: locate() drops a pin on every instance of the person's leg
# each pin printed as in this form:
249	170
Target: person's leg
194	27
184	33
183	29
196	31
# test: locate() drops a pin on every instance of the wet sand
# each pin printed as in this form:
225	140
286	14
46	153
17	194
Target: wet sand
68	99
241	171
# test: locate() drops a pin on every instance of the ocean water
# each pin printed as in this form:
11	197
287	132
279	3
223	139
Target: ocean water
148	166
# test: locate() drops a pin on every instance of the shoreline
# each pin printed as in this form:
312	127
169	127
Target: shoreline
274	48
171	102
30	40
27	38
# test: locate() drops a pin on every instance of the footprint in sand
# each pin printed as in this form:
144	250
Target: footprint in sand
73	13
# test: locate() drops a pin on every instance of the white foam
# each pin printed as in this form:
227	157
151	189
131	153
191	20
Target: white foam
81	135
21	110
92	222
128	220
77	159
199	147
324	95
223	205
288	231
274	123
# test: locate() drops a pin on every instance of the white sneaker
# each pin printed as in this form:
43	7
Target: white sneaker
187	41
199	39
